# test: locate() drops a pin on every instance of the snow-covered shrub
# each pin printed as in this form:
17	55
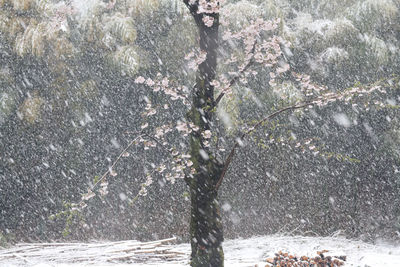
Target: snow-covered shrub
378	51
321	9
120	26
334	55
341	33
240	14
373	15
126	59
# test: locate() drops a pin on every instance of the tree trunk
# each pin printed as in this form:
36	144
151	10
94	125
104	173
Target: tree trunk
205	226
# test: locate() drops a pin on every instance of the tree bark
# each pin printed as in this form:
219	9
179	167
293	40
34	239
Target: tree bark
206	231
205	226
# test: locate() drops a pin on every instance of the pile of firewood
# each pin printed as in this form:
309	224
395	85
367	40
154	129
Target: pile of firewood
127	251
284	259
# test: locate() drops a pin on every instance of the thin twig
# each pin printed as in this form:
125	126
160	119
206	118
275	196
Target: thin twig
112	166
155	140
252	129
115	162
169	150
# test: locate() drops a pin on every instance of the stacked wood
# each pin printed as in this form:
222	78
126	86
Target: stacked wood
126	251
284	259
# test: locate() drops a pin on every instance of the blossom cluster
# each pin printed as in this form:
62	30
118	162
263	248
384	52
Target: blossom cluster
195	59
207	6
265	52
186	128
346	95
163	84
208	21
307	87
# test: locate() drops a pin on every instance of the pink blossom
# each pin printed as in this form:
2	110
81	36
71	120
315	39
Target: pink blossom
215	83
259	57
161	168
149	181
193	127
150	82
209	6
189	163
182	127
103	189
208	21
88	195
189	56
151	112
207	134
113	173
283	69
202	57
140	79
164	82
272	82
159	133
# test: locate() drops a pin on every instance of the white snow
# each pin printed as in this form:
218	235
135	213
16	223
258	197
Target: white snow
238	252
342	119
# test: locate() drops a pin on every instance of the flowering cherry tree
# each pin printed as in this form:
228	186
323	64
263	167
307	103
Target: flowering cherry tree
202	163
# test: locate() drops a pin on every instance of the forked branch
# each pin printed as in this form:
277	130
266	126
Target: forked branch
237	77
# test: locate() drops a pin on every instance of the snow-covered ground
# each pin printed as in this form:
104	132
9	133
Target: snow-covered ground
238	252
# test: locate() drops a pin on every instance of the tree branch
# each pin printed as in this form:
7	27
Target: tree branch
236	78
192	7
115	162
252	129
154	139
104	176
